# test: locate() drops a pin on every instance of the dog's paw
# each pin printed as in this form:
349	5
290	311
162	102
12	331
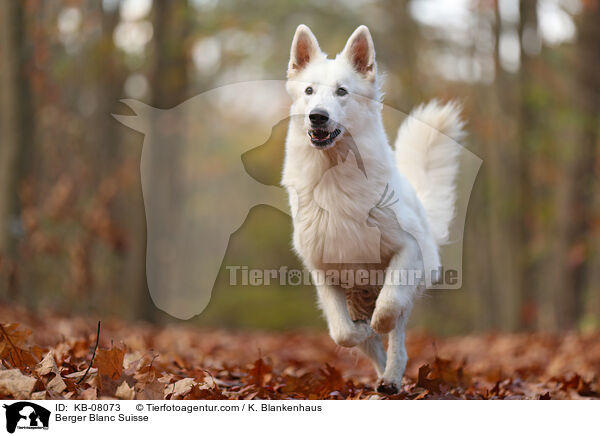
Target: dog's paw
353	335
387	311
387	387
384	320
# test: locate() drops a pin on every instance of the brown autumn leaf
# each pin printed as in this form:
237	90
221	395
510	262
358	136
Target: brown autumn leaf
146	372
48	372
13	335
154	390
200	393
41	395
293	384
449	373
56	385
89	394
431	384
179	389
47	365
109	362
12	346
16	385
125	392
331	380
78	374
258	372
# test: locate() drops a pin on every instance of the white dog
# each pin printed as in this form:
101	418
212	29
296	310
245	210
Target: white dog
357	207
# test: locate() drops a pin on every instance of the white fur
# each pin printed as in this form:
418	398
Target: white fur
426	153
333	199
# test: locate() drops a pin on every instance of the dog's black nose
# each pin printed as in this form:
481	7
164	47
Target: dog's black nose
318	117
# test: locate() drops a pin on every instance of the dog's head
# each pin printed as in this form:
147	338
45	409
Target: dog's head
330	96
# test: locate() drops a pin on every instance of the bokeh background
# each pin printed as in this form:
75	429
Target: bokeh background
72	223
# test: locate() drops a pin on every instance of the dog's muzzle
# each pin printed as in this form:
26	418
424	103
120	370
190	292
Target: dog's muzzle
323	138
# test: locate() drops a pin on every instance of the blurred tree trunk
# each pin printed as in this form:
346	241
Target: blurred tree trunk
477	264
585	169
404	44
109	89
571	249
169	76
477	261
577	203
108	152
15	129
589	165
528	29
503	190
169	86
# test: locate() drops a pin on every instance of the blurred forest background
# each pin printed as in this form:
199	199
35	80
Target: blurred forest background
72	224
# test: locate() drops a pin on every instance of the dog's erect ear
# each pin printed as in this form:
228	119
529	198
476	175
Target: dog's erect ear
360	52
304	49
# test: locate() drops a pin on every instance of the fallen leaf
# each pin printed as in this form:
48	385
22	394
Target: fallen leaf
125	392
424	382
110	362
89	394
150	391
41	395
56	385
179	389
46	366
15	384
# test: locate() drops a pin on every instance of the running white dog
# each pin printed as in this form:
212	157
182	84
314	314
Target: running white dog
345	184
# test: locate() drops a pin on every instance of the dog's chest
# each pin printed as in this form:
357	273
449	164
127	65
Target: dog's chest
335	224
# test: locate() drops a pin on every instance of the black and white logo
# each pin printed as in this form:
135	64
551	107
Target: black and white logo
26	415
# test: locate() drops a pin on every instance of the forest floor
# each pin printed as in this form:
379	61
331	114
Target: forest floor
46	357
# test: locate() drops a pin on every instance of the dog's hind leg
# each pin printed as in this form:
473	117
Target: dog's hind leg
397	357
373	348
361	303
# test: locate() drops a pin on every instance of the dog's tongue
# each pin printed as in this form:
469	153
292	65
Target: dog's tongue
320	134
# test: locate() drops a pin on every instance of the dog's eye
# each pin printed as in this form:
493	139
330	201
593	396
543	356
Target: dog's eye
341	92
308	91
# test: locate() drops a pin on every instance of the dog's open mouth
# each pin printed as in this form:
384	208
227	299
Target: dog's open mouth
322	138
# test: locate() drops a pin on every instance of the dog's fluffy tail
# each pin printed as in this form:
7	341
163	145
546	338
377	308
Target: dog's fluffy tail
427	154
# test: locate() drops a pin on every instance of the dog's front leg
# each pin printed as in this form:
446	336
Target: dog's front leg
392	310
391	380
342	329
395	296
